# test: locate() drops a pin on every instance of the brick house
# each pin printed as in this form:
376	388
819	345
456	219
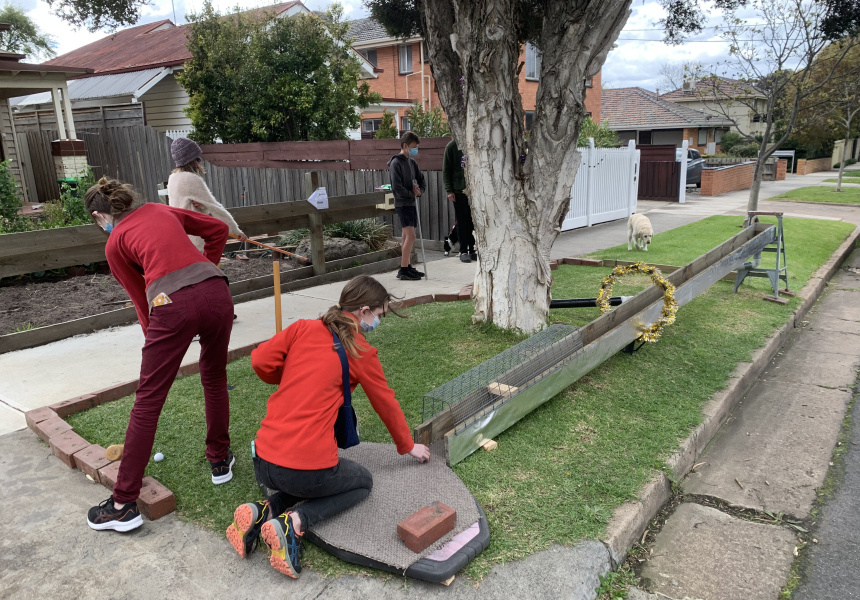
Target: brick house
730	99
403	76
646	118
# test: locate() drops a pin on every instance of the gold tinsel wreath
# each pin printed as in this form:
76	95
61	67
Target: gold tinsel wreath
651	333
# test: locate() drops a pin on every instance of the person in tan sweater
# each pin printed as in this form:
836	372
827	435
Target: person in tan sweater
186	188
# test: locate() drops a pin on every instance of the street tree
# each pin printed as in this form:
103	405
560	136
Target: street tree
255	77
24	36
674	74
780	56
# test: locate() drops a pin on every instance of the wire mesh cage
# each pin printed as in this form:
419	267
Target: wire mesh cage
499	379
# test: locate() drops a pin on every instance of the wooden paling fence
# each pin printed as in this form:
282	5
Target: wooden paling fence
242	175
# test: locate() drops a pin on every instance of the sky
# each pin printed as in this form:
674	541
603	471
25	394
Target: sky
635	61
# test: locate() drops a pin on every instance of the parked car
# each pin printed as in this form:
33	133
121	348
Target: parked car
695	164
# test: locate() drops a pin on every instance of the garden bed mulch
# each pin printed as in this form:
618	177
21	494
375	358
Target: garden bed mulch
28	302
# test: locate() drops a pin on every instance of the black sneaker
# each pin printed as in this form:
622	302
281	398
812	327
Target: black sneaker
415	271
105	516
222	471
285	545
464	257
244	533
407	275
473	255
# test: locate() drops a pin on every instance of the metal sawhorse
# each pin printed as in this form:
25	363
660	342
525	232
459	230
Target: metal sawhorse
751	268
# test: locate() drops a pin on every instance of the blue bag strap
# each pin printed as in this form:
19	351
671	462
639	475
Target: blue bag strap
344	365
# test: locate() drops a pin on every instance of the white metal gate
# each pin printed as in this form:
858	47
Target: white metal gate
605	187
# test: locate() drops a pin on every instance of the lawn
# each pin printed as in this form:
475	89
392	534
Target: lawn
558	474
823	194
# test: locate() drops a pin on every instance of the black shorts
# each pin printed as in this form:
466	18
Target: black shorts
408	216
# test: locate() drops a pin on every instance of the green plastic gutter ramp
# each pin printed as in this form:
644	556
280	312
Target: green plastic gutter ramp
466	423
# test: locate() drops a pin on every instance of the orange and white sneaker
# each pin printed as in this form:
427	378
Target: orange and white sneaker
244	532
285	545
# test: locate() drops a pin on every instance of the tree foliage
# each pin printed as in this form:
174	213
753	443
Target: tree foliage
254	77
24	36
387	129
98	14
603	135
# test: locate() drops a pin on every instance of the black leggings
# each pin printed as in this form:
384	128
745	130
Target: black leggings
465	228
327	491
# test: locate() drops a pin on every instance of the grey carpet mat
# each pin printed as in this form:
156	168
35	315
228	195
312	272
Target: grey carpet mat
401	486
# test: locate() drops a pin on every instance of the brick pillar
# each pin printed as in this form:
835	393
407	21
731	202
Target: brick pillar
801	166
781	167
707	188
70	158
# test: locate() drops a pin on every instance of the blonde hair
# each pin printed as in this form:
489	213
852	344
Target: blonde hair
358	292
195	166
111	197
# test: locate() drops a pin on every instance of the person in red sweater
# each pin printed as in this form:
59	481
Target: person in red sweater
295	450
178	293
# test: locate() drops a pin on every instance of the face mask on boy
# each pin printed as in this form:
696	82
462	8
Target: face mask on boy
413	152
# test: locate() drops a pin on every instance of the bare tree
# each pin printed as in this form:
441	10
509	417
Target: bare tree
673	75
778	58
846	107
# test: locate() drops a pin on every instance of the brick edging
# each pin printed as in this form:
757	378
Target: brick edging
630	520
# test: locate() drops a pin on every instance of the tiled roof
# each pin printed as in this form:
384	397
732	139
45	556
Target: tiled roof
636	108
365	30
143	47
704	88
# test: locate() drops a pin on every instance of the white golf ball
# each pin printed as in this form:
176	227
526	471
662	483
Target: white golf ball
158	457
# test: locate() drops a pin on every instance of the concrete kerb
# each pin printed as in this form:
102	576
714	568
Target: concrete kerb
630	520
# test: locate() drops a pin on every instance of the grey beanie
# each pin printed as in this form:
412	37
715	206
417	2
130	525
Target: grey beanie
184	151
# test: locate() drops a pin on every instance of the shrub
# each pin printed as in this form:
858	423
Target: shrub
69	209
850	161
430	123
387	130
731	139
604	137
747	151
372	232
10	203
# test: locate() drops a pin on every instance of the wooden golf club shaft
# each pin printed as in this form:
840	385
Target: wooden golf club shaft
273	249
276	278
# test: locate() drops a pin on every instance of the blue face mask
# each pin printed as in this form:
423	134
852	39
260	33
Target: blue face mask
367	328
413	152
108	228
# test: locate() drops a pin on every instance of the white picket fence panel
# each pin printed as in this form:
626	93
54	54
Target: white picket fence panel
605	188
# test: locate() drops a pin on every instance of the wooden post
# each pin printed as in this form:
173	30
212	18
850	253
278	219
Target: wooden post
315	218
276	279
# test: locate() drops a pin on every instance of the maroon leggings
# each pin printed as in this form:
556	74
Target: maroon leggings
204	309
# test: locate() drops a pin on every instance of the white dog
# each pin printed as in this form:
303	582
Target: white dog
639	232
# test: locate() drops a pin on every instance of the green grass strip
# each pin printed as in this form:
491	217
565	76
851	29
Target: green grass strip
558	474
823	194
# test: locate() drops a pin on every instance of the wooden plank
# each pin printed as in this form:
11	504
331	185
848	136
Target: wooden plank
315	225
52	333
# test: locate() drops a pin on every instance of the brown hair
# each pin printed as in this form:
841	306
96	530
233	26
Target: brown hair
195	166
409	138
358	292
110	196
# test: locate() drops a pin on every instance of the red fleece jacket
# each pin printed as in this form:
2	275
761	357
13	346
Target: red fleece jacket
152	241
298	429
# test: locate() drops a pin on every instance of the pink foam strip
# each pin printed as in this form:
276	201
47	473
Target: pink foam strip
457	542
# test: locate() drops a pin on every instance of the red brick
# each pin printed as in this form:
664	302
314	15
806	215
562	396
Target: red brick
155	500
51	427
116	392
553	265
588	262
446	297
427	525
108	474
428	299
38	415
69	407
90	460
65	445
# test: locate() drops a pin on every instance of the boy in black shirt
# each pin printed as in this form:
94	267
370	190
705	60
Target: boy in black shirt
407	183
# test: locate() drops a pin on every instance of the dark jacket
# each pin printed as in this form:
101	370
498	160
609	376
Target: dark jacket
403	171
453	175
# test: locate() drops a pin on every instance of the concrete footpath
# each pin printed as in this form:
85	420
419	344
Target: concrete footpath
46	550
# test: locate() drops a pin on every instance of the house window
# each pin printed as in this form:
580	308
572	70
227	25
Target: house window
589	82
703	136
371	125
370	55
426	52
758	118
405	125
532	62
405	59
644	137
718	135
530	119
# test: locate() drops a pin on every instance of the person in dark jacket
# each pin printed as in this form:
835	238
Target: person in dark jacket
454	178
407	183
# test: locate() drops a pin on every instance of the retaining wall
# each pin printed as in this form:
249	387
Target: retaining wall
806	167
727	179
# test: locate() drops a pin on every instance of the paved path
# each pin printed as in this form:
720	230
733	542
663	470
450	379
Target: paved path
45	551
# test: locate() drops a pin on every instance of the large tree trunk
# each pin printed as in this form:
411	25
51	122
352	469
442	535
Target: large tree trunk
519	192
